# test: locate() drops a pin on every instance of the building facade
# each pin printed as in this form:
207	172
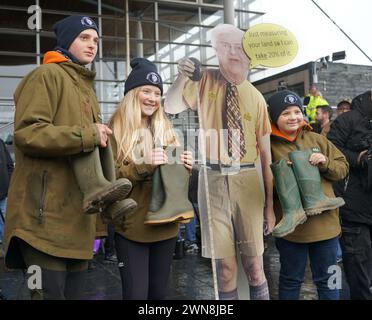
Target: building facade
162	31
336	81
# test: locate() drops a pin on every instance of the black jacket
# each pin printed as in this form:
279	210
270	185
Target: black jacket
348	132
6	169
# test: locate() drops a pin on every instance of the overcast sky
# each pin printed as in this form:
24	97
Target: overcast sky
316	35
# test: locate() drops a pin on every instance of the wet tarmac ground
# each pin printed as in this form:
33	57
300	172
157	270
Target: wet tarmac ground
191	279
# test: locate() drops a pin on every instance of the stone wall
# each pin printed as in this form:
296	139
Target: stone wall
338	81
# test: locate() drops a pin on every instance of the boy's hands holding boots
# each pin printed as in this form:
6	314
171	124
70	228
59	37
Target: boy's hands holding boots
317	158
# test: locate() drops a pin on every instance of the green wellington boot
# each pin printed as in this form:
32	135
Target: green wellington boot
308	178
118	210
98	191
289	197
157	192
169	202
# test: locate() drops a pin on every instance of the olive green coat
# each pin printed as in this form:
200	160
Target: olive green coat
55	110
133	227
325	225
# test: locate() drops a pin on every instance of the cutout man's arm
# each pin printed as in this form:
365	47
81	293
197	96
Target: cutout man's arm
174	102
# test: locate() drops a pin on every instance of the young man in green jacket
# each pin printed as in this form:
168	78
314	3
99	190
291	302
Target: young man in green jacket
57	116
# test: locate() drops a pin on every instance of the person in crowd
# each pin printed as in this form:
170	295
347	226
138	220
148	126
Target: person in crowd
343	106
305	164
237	161
109	245
191	245
351	132
139	127
323	117
313	99
56	116
338	187
6	170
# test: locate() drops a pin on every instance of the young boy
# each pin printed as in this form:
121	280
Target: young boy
304	166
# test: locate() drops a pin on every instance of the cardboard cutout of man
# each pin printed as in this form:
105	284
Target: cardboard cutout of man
232	113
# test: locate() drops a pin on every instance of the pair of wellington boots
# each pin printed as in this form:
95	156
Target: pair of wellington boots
300	192
95	174
169	198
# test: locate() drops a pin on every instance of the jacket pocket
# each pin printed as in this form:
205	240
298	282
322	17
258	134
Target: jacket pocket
350	239
44	188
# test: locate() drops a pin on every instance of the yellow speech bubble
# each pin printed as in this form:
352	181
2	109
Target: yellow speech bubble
269	45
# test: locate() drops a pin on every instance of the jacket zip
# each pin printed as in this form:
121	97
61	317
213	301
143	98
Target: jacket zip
43	196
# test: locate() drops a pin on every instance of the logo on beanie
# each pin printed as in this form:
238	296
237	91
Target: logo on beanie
86	21
290	99
153	78
315	149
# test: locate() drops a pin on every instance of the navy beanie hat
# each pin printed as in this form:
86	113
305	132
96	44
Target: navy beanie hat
280	101
143	73
69	28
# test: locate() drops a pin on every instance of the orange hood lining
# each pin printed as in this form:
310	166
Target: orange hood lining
54	57
276	132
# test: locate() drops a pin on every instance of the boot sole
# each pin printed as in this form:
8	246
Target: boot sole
313	212
101	200
283	234
177	218
124	211
119	216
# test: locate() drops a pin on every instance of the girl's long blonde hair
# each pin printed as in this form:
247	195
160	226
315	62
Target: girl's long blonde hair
133	142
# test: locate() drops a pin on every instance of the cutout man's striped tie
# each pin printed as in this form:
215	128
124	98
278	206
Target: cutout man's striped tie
236	146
